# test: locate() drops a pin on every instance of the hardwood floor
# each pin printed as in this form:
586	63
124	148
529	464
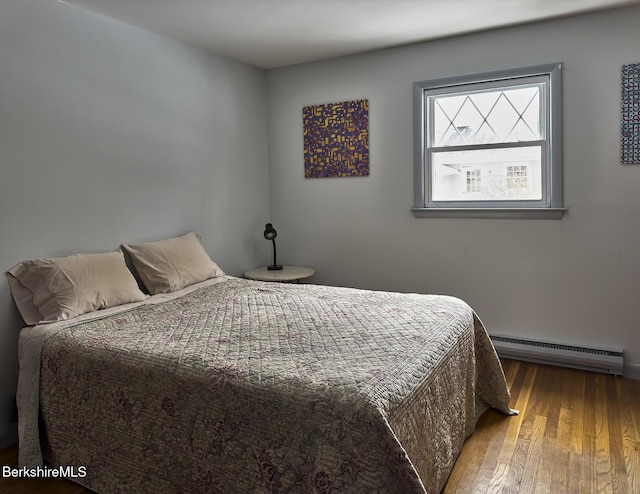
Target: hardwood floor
577	432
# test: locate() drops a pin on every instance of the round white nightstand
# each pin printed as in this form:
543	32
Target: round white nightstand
287	273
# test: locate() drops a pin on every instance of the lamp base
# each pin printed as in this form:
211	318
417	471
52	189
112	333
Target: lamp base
274	267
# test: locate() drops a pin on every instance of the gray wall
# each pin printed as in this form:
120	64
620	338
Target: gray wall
111	134
573	280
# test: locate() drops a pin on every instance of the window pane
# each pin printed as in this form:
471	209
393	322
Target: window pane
487	174
487	116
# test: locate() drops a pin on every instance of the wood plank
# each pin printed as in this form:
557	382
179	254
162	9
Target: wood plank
559	452
628	396
497	429
496	485
515	424
480	446
602	449
587	467
463	480
511	370
553	399
516	447
534	454
576	478
577	391
616	448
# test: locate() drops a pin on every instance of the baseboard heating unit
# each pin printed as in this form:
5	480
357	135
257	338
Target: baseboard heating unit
578	357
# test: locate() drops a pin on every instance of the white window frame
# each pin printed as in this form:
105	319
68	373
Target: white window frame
551	203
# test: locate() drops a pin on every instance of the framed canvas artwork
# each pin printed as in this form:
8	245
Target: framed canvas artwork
336	139
630	152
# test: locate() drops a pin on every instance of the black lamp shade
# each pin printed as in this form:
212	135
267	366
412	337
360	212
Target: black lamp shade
270	233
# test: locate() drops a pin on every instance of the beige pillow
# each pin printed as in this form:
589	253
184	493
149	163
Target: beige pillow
49	290
23	297
169	265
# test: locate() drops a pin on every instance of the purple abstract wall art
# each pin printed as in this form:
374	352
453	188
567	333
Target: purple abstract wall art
336	139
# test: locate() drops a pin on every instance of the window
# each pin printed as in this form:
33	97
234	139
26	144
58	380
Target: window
517	177
473	180
489	144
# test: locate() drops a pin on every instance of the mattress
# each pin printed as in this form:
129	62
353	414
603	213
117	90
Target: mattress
244	386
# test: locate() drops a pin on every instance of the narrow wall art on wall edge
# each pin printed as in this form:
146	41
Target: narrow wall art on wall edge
630	141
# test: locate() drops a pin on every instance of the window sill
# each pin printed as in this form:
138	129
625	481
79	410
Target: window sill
509	213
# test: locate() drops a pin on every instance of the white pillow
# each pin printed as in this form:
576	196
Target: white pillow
169	265
49	290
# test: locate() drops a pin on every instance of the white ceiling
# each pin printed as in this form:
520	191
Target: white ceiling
274	33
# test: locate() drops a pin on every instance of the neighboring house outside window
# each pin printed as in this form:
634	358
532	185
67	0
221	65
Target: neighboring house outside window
473	180
489	143
518	178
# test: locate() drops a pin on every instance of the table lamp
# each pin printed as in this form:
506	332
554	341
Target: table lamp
270	233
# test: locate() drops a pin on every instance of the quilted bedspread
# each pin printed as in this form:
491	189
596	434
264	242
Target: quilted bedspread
250	387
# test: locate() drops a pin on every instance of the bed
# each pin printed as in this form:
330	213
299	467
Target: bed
231	385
